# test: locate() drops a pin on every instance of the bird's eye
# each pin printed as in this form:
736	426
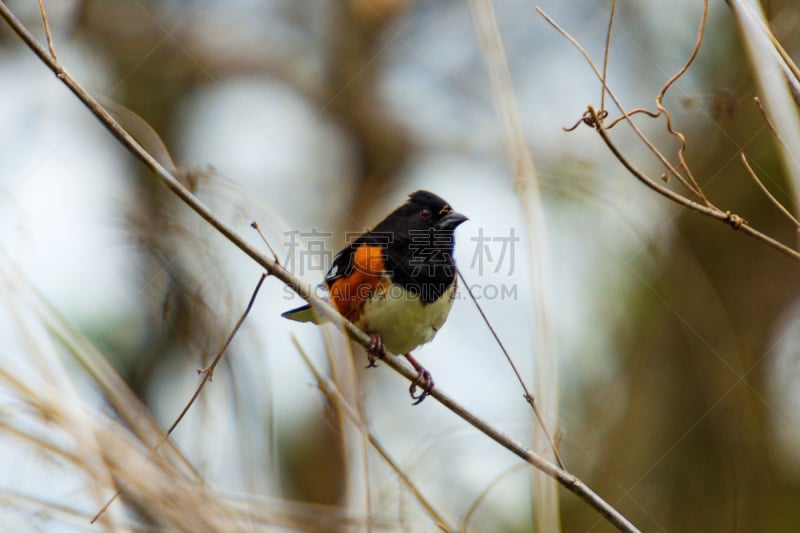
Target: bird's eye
425	214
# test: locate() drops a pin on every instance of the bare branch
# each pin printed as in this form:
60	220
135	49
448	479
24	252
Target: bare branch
775	132
255	226
606	54
731	219
47	33
595	119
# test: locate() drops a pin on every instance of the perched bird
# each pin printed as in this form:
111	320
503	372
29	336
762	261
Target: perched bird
397	281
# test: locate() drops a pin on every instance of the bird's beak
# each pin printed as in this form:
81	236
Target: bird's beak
450	221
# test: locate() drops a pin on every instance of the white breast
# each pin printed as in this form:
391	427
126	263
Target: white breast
402	320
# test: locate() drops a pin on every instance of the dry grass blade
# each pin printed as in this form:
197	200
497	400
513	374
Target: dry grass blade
114	390
464	524
771	74
77	442
63	515
526	186
65	437
335	397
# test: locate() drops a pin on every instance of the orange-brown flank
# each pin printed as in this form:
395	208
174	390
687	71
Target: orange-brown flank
348	293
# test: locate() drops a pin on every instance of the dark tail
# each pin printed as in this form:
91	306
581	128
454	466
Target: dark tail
303	314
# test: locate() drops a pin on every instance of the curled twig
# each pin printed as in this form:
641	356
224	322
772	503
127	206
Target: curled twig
688	180
588	120
694	187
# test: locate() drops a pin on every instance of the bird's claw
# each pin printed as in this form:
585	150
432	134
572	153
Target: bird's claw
376	350
425	382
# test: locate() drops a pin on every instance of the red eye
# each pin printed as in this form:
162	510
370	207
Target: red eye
425	214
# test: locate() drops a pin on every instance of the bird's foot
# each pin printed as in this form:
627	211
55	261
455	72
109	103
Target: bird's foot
376	350
424	381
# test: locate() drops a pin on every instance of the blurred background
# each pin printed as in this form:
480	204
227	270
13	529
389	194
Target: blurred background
677	338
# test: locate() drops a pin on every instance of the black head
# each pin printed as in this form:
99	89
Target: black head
419	241
422	212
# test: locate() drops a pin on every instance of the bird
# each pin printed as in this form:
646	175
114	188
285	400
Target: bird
397	281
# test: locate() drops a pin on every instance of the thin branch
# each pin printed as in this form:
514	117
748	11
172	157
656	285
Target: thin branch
255	226
47	33
208	374
775	131
734	221
769	195
566	479
606	54
528	396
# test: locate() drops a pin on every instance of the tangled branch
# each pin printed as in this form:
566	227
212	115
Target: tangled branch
595	119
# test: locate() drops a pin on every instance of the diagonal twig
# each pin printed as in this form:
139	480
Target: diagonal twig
768	194
528	396
46	26
606	54
208	374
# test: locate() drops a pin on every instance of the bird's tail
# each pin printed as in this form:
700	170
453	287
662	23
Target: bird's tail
304	314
